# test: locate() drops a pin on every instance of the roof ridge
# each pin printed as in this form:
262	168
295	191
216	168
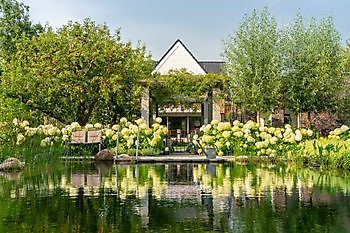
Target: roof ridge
189	52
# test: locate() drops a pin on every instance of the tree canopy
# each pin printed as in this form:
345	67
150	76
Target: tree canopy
313	66
14	24
299	67
77	73
253	62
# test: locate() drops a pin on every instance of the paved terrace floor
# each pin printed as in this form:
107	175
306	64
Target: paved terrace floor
173	158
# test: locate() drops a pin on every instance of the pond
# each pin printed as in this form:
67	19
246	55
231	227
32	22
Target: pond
101	197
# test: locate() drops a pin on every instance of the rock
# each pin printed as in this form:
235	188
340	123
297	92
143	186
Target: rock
124	157
104	155
242	159
11	164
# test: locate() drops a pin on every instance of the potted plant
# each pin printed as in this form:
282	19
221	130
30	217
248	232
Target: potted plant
210	152
207	146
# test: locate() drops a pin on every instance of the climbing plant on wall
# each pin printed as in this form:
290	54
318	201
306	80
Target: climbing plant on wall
181	88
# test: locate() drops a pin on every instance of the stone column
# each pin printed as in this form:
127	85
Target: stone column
206	111
145	104
216	105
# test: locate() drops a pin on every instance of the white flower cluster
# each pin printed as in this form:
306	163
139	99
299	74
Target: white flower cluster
249	138
342	132
148	137
50	134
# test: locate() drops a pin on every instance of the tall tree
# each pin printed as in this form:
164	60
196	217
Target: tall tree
253	62
14	24
313	73
344	108
75	73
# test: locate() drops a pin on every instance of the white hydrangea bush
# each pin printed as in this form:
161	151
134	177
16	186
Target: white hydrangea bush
250	139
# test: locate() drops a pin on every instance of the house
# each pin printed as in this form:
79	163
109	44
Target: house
181	121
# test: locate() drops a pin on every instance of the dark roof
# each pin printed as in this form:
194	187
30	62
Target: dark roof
215	67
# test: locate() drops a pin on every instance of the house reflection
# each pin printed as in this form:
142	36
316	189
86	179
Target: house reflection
180	182
216	186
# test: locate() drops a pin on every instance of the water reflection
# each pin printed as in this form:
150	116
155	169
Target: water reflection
176	197
15	175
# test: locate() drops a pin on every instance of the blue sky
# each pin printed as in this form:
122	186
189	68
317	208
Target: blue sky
200	24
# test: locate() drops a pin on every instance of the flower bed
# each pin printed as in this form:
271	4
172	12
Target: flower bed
250	139
299	145
151	139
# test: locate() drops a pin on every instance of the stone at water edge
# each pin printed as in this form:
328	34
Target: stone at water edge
11	164
242	159
104	155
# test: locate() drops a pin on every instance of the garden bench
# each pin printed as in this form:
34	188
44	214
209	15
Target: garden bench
87	137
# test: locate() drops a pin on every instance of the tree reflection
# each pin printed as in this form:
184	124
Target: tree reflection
174	197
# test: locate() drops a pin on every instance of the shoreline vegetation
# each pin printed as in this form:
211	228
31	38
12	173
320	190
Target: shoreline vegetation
243	142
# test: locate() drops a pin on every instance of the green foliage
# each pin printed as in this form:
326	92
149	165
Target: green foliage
253	62
79	73
344	102
301	68
181	88
12	108
9	110
312	72
14	25
326	152
344	107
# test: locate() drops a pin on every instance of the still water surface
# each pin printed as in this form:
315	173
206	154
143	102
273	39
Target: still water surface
102	197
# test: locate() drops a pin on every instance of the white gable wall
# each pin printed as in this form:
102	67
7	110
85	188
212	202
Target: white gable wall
178	57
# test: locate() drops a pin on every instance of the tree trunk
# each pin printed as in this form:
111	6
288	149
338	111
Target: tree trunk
83	114
260	119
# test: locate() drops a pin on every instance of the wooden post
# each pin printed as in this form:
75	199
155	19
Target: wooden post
137	143
117	144
116	180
